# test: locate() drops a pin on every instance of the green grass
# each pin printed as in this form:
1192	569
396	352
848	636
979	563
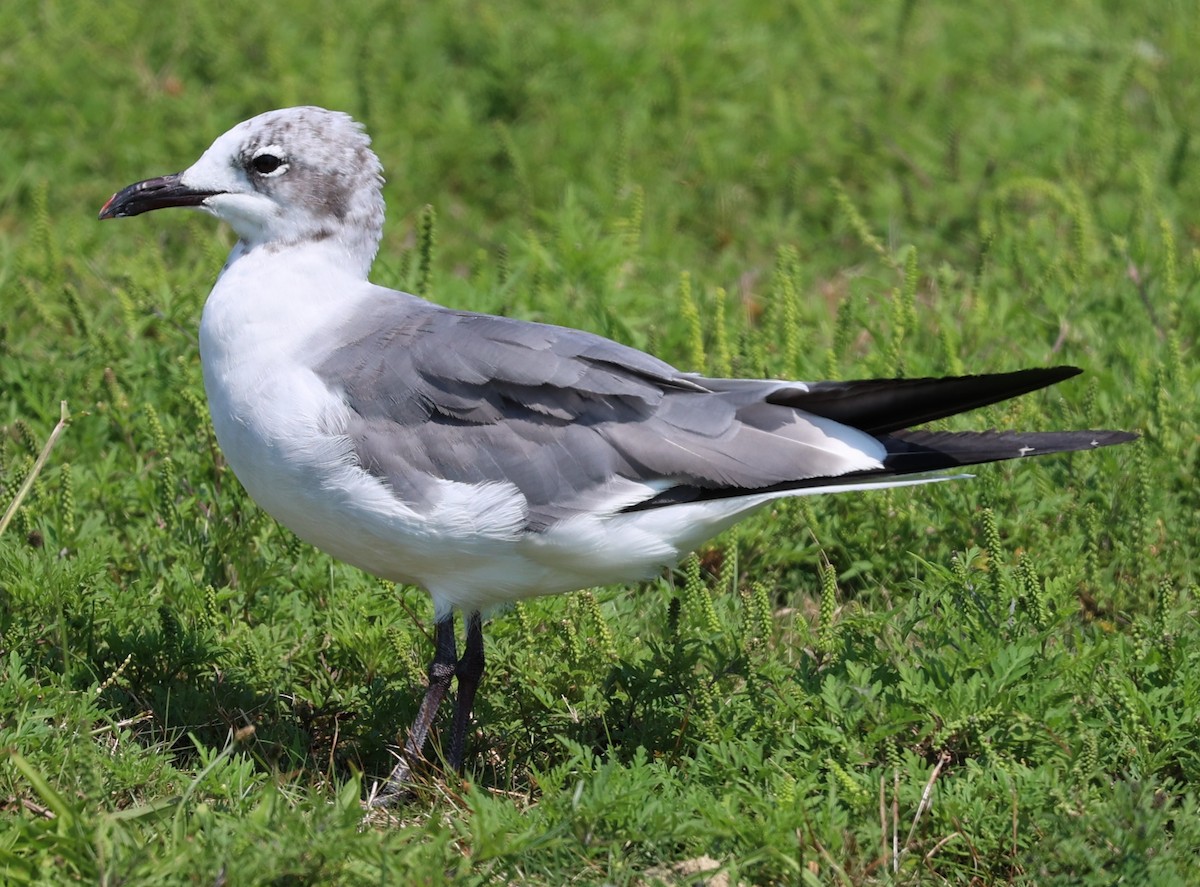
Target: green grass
190	695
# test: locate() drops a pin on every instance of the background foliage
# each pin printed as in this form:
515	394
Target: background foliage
975	682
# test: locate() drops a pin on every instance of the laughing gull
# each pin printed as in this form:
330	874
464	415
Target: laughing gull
488	459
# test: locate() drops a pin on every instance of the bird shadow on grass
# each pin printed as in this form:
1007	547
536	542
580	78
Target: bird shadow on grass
185	687
655	702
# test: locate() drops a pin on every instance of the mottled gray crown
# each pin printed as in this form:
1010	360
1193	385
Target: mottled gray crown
332	170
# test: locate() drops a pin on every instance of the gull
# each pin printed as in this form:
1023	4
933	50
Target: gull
488	459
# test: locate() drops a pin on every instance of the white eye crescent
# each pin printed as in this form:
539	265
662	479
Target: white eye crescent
269	161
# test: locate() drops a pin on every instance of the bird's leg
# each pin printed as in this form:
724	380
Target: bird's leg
469	671
441	670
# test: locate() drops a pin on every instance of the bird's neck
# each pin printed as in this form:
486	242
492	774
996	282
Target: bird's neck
274	306
344	251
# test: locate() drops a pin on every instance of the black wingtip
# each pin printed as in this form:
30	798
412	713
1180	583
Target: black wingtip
881	406
1112	438
918	451
1064	372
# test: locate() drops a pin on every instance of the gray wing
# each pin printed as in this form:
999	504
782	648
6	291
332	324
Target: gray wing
570	418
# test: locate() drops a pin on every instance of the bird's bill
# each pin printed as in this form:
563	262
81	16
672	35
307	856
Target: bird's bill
141	197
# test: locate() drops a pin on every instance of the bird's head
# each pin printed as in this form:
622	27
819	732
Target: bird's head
283	178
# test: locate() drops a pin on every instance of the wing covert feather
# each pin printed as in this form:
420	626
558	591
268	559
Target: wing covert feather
567	417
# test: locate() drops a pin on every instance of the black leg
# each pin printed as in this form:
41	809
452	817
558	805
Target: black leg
441	670
469	671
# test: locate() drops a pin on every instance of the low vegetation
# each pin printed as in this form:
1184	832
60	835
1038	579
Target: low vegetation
986	681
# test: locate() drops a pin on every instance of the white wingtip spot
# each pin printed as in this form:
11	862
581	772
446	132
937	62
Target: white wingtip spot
1025	451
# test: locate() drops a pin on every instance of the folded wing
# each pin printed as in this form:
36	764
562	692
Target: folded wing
578	423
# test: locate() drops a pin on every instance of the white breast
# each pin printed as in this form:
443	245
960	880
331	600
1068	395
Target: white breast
281	429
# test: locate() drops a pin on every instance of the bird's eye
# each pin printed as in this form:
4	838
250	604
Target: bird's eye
266	163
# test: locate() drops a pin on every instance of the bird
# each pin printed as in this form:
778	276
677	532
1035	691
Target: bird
489	459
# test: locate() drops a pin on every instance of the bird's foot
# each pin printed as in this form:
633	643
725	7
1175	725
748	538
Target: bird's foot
395	788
